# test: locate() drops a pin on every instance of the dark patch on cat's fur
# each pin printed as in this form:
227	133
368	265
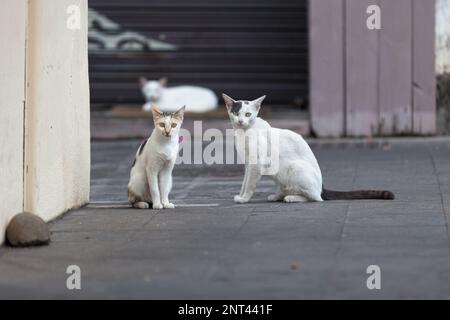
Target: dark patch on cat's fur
236	107
134	162
141	148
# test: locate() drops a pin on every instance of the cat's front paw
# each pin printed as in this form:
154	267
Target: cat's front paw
239	199
157	206
168	205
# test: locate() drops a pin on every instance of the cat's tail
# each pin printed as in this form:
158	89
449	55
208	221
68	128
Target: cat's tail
357	195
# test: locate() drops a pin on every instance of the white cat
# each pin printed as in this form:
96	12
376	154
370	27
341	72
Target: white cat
151	173
196	99
298	177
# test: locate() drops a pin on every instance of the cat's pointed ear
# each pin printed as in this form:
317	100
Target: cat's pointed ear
163	81
229	102
258	102
143	81
180	113
156	112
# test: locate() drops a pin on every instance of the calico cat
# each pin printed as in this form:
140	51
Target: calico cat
196	99
151	173
298	177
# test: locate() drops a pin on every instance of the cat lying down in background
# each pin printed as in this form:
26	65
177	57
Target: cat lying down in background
196	99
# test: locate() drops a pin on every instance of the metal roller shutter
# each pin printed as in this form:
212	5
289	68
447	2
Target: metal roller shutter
245	48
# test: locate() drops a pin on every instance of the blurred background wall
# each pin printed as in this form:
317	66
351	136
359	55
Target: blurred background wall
367	82
315	55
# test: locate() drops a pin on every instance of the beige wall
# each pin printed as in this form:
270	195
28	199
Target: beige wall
12	97
57	124
52	110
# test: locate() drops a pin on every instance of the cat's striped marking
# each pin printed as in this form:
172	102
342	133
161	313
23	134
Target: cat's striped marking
141	148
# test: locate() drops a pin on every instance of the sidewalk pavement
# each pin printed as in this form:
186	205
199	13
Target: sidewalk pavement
210	247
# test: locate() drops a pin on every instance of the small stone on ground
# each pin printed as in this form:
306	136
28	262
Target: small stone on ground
26	229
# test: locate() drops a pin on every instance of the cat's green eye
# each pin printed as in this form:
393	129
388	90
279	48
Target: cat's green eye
174	125
248	114
162	124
